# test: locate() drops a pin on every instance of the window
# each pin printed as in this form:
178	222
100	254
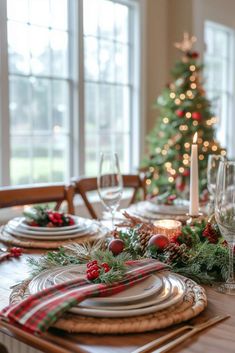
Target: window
219	72
38	90
40	39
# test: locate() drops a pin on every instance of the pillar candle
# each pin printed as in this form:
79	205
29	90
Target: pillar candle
194	196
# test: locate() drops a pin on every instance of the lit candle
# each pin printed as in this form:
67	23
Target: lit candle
168	227
194	197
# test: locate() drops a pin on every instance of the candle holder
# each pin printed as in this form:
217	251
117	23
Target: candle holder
168	227
192	219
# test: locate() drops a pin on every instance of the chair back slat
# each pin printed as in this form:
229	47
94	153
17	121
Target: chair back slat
30	195
84	185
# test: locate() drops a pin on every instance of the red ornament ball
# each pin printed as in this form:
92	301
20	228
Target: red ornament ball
196	116
158	242
194	55
179	113
186	172
116	246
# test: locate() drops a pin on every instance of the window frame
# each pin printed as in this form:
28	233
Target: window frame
228	125
76	89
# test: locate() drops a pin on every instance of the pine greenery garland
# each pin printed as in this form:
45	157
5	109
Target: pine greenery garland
203	261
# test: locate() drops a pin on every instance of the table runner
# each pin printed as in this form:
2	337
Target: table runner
39	311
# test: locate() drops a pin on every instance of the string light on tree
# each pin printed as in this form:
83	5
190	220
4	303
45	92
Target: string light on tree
184	110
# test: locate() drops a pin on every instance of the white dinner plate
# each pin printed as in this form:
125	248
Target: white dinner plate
178	290
45	234
16	224
58	275
91	230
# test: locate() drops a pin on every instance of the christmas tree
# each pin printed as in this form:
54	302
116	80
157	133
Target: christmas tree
184	110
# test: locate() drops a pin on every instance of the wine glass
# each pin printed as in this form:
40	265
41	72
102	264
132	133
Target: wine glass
110	185
212	169
225	216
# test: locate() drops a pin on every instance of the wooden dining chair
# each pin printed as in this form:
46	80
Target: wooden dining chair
38	194
84	185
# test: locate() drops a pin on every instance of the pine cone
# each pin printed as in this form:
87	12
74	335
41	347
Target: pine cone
211	234
143	238
176	253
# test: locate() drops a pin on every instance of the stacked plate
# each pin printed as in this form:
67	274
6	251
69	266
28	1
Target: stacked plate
157	292
19	228
151	210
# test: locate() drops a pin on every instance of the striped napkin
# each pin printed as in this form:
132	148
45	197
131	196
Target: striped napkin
39	311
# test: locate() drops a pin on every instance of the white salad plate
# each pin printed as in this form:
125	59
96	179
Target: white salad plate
144	289
162	295
78	221
166	209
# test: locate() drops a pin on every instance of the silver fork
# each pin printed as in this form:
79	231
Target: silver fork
175	342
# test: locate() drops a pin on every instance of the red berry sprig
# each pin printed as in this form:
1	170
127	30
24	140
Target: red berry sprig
15	252
94	269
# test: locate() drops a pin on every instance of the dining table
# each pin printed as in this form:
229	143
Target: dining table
218	338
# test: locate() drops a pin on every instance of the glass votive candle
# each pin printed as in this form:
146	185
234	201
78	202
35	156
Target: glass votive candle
168	227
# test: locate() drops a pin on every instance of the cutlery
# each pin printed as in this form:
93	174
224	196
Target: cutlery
175	342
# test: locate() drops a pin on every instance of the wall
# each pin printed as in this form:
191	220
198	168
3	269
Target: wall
156	55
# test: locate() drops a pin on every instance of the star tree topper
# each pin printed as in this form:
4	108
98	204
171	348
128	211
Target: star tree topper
186	44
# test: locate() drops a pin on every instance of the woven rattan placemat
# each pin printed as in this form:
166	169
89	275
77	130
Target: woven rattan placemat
193	303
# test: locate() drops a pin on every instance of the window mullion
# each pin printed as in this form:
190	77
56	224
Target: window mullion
4	99
78	106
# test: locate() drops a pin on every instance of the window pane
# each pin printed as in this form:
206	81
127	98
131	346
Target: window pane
20	104
107	100
60	106
39	12
91	58
17	10
59	48
39	91
90	17
122	109
106	108
59	14
18	50
121	63
121	22
40	50
41	104
92	107
106	60
20	165
41	159
106	19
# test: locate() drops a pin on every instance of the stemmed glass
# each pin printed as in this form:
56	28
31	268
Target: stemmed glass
225	216
109	182
212	169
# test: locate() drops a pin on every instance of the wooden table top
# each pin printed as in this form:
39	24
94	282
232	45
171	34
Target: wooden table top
217	339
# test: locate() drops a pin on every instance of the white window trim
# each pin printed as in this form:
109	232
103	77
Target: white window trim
77	102
230	123
4	100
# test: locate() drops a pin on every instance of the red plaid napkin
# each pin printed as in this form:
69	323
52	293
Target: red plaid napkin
39	311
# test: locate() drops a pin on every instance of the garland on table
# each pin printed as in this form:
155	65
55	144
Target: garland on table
198	252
